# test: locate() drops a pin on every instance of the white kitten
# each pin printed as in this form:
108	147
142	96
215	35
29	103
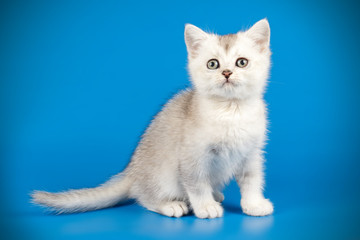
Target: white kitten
201	139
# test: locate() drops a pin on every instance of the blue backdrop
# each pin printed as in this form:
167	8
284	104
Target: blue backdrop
80	81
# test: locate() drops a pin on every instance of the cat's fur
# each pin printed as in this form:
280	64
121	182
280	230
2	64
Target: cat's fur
202	138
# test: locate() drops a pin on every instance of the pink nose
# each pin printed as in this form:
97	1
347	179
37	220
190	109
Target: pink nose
227	73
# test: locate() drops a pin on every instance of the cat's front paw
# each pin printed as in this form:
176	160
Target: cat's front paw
210	210
257	207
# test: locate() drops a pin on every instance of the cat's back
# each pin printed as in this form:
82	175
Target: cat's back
167	125
180	104
177	109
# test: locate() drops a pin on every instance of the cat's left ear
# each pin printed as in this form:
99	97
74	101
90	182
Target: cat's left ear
260	33
194	37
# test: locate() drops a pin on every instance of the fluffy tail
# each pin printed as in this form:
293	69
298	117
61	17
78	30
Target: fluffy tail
87	199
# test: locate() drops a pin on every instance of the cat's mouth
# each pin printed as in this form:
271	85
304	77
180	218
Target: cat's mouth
227	82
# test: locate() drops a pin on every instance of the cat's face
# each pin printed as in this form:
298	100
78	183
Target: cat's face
233	66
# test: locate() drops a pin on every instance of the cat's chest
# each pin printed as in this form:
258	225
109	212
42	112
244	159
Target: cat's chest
236	129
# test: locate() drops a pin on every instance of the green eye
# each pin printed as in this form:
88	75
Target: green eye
242	62
213	64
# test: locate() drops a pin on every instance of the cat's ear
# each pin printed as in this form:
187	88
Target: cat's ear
194	36
260	33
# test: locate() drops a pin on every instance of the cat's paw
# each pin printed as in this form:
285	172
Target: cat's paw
218	196
174	209
209	210
257	207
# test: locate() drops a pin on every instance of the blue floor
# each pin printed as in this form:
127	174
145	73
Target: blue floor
294	218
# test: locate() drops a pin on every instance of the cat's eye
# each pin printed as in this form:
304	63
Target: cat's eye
242	62
213	64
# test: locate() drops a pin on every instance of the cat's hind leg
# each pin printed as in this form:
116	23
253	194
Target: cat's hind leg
173	209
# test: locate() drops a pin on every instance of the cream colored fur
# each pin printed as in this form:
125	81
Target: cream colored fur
201	139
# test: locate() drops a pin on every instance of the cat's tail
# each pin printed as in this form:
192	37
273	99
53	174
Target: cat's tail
106	195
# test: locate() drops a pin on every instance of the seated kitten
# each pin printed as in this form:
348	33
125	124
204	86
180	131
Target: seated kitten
202	138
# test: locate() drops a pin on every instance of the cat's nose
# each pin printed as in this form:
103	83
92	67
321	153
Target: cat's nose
227	73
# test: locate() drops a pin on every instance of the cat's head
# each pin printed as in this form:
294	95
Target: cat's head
234	66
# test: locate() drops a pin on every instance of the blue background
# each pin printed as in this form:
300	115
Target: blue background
80	81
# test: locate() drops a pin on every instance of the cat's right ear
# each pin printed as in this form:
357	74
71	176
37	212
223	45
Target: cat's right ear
194	36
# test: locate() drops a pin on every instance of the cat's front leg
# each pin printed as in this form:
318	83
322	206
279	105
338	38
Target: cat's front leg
218	196
203	202
198	187
251	181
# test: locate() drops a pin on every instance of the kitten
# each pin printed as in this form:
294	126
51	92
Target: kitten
202	138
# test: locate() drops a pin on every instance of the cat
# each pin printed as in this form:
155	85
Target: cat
203	136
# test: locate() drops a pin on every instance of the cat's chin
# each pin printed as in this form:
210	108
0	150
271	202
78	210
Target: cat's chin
226	95
230	92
